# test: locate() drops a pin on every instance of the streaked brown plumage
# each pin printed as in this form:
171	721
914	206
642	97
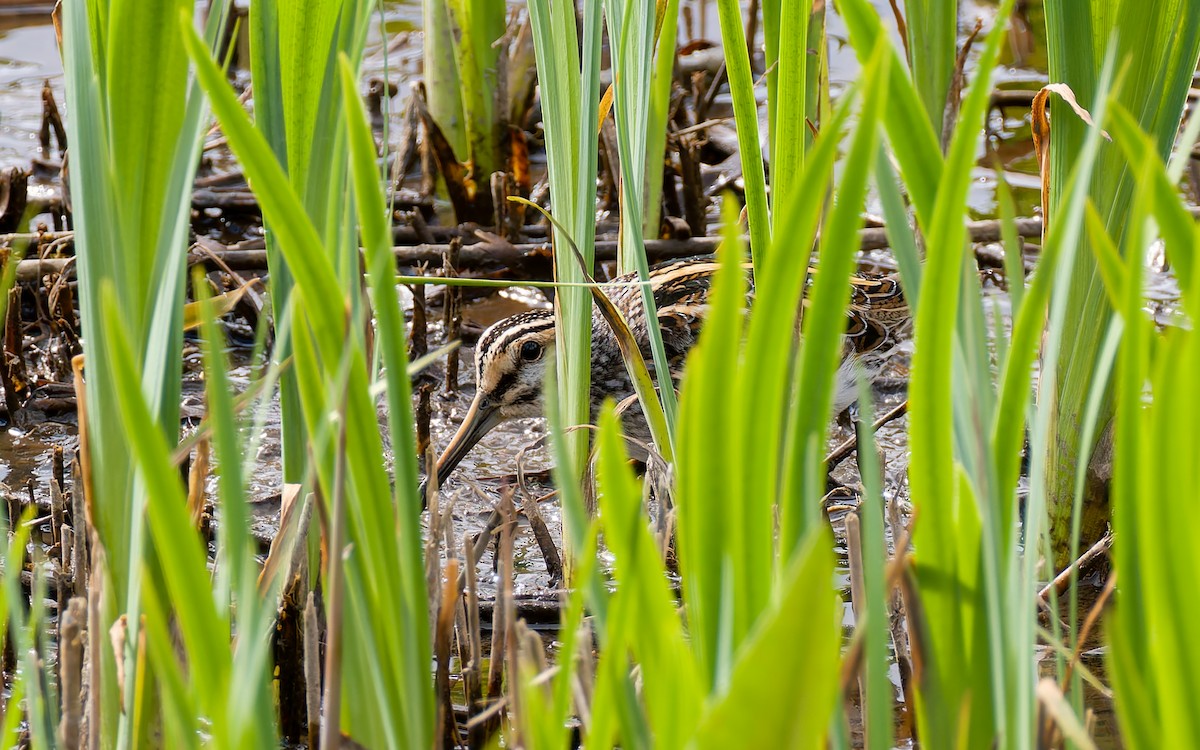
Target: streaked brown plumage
511	356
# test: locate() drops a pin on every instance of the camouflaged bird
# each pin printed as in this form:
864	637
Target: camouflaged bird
512	355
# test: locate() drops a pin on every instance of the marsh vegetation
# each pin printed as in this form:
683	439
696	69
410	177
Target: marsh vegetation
252	246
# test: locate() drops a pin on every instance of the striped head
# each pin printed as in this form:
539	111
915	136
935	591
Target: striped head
510	365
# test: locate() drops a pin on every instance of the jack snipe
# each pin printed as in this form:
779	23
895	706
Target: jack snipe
512	355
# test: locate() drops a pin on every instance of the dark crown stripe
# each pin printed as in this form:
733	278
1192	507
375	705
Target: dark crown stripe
501	335
521	331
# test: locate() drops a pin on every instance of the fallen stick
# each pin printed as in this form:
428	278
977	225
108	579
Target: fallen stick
490	249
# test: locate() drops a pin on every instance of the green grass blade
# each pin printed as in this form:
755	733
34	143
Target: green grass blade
708	502
671	687
745	111
788	129
824	324
755	712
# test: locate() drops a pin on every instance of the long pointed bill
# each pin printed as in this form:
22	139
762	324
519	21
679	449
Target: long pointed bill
479	421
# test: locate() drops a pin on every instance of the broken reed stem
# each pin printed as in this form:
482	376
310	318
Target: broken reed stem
695	203
447	737
312	671
473	643
331	724
291	670
57	514
502	612
462	641
433	566
896	622
418	342
12	369
58	469
481	542
80	565
70	671
452	312
509	655
541	533
95	589
423	417
858	593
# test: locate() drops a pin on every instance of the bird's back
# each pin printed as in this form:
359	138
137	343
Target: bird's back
877	316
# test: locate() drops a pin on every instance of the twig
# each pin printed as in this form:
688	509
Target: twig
848	446
502	612
1089	622
858	593
474	644
1063	579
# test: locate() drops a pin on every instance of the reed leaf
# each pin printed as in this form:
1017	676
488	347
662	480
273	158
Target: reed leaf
745	111
824	326
709	536
788	102
1160	44
931	44
670	685
661	82
569	80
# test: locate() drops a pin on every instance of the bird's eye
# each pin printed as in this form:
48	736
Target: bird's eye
531	351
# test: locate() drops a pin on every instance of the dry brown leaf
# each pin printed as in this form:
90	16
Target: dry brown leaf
1040	126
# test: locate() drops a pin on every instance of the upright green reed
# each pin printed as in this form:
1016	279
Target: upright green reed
932	45
745	111
569	81
661	90
136	140
462	74
754	656
135	129
977	625
631	29
1152	656
385	698
292	58
1156	47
